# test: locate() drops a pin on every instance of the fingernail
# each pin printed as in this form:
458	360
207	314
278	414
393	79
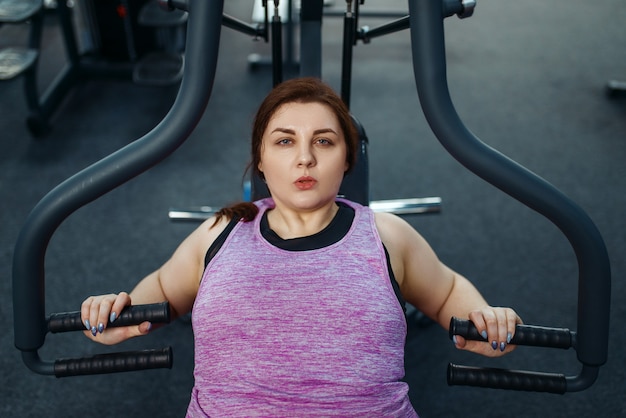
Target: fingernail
94	331
508	338
100	327
454	340
87	324
112	317
484	334
502	346
494	345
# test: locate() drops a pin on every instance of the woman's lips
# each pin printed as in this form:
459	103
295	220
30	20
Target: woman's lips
305	183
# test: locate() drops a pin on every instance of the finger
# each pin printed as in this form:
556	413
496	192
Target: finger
85	312
489	331
479	322
503	330
128	332
98	312
459	342
122	301
512	321
144	328
103	314
94	312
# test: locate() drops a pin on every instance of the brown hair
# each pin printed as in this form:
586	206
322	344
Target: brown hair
298	90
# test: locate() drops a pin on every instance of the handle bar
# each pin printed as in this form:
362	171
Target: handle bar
506	379
129	361
530	335
132	315
594	279
114	362
104	363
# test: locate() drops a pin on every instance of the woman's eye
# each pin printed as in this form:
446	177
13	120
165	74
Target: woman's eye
284	141
324	141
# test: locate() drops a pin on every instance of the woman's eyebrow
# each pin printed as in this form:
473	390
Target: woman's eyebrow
315	132
324	131
284	130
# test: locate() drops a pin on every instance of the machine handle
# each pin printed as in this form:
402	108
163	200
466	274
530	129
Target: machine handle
506	379
531	335
115	362
132	315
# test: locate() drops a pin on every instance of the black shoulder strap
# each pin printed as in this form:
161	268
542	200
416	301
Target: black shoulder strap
219	241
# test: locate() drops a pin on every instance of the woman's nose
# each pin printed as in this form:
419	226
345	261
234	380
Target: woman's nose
306	157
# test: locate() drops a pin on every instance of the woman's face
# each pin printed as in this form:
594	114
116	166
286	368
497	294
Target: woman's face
303	155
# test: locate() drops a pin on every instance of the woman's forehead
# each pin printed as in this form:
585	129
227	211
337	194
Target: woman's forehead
296	113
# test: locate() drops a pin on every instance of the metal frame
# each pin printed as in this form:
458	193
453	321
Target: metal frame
594	280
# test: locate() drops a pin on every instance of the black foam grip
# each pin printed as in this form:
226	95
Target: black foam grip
531	335
132	315
115	362
506	379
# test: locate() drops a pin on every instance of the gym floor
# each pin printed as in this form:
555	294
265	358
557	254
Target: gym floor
528	78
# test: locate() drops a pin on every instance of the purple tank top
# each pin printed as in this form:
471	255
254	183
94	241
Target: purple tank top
305	333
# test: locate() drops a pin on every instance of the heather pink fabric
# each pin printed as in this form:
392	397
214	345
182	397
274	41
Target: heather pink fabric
309	333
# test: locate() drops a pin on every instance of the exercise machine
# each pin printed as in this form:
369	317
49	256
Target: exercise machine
30	319
594	281
123	40
426	18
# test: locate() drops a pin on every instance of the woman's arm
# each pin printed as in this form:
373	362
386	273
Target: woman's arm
177	281
439	292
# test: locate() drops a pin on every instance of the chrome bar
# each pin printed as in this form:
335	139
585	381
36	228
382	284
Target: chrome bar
411	206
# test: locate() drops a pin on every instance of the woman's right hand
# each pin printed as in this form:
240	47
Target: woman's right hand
97	312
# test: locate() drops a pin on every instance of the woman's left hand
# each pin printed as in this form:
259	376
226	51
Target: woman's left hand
497	326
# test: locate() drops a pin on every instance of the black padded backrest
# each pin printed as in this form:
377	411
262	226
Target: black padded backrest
355	185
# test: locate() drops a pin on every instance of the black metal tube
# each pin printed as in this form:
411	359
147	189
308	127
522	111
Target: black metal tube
311	38
584	380
244	27
349	28
594	282
69	35
506	379
30	79
532	335
277	50
115	363
32	360
386	29
203	34
156	313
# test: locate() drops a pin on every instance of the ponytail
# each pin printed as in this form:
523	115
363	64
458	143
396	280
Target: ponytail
246	211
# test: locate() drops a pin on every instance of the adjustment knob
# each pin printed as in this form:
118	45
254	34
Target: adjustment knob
468	8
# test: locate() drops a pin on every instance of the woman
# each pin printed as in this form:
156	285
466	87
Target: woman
297	299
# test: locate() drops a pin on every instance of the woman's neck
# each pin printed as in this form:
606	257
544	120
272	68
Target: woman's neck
288	224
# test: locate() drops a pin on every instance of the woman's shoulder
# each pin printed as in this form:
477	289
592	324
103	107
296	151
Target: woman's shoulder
390	225
396	233
201	239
